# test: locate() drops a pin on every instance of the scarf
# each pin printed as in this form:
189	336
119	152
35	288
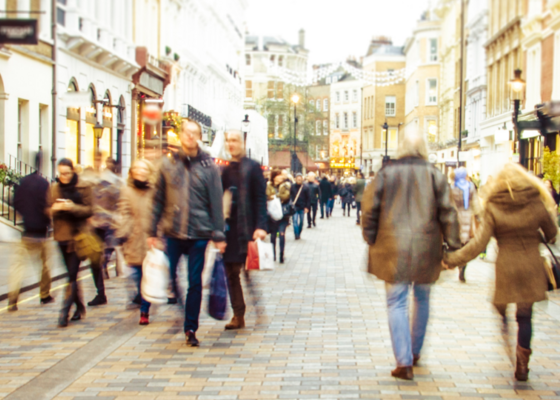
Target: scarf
465	186
140	185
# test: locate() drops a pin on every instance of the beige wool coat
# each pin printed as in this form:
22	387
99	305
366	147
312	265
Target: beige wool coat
135	210
513	215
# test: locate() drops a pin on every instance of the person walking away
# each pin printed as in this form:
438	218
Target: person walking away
246	218
70	205
358	192
405	226
299	194
325	189
106	192
135	210
468	207
314	196
347	198
517	208
278	186
334	191
188	204
30	201
552	191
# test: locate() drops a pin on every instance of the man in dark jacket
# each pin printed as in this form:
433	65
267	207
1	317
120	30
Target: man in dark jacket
30	201
358	191
334	191
299	195
246	218
314	195
405	226
326	194
188	209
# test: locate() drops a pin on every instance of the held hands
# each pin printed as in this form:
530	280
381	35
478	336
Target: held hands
153	242
259	234
306	210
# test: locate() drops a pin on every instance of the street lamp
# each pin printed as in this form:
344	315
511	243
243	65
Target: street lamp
98	133
517	85
246	127
295	100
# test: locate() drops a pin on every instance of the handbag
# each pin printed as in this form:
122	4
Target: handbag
289	209
260	256
552	269
87	245
274	208
217	299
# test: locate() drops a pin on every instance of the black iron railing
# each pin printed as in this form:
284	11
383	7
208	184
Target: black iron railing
8	210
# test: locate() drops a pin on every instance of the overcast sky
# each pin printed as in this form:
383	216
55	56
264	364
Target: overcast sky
335	29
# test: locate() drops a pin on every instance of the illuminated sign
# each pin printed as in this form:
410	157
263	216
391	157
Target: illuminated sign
18	31
343	162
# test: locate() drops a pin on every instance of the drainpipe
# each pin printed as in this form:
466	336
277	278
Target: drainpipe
54	116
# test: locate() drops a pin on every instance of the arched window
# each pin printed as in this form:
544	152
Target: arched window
318	105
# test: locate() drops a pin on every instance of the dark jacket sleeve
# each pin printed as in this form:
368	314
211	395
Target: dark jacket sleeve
259	198
84	210
447	213
159	204
371	208
216	194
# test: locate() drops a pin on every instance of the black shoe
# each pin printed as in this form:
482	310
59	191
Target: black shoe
47	300
171	300
192	341
314	224
281	258
12	307
322	217
77	316
63	321
138	299
462	278
98	301
308	226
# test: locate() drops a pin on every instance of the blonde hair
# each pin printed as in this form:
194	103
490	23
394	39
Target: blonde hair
413	145
147	164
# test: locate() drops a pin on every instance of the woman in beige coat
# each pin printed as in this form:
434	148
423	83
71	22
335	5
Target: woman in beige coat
517	208
135	209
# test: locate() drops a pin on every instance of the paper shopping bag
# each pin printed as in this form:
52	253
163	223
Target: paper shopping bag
252	261
266	255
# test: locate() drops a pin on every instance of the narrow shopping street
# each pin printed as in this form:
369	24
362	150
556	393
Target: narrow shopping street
324	336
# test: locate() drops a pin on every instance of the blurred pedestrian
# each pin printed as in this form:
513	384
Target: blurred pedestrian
135	211
314	196
346	197
299	194
552	191
468	208
246	218
278	186
71	206
517	208
30	201
371	177
334	191
188	205
358	191
326	195
405	226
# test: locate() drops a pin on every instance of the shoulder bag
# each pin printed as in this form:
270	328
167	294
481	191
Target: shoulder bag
289	209
552	269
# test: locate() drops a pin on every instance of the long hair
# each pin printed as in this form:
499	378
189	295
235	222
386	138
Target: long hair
147	164
413	145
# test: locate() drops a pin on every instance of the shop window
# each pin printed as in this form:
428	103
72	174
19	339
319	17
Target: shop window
392	137
432	131
248	89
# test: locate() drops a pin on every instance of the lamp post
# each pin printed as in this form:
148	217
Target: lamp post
517	85
98	133
246	127
386	129
295	100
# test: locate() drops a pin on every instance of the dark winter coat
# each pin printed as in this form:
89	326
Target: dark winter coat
31	202
326	190
346	194
358	189
314	192
405	224
304	200
188	198
514	219
250	201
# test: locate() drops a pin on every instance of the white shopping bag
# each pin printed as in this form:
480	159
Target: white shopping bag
209	260
155	277
274	208
266	255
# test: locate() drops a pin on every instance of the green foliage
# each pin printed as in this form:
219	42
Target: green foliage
551	167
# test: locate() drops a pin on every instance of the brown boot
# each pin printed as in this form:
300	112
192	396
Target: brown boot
403	373
237	322
522	368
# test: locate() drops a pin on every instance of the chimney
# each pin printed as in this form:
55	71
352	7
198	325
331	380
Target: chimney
302	38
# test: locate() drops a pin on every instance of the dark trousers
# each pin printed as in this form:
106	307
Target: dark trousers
312	210
345	206
523	316
97	267
71	261
358	211
330	206
233	271
324	207
195	250
137	278
276	228
73	292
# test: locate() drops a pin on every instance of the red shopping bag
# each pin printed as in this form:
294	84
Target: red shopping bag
252	261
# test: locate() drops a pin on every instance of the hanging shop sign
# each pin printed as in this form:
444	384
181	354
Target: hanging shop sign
151	82
343	163
18	31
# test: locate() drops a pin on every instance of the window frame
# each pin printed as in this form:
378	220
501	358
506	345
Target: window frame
325	105
433	56
428	101
394	103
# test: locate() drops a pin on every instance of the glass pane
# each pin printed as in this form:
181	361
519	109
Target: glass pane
61	16
72	141
89	146
105	144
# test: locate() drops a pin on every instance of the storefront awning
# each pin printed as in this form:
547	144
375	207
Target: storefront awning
283	160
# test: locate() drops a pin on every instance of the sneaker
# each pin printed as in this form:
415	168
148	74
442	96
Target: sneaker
192	341
98	301
144	319
47	300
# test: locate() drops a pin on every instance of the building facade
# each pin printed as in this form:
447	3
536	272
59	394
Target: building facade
319	98
26	101
383	102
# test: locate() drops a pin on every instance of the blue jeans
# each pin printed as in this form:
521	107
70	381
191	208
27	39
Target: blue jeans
406	342
195	250
330	207
137	278
297	220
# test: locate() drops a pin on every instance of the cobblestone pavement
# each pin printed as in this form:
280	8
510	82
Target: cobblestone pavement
324	336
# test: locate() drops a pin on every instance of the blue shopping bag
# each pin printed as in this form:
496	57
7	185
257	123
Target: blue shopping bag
217	300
